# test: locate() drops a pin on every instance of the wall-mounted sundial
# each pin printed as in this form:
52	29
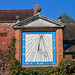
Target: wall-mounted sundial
38	48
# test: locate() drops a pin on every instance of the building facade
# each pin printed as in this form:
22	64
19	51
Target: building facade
39	40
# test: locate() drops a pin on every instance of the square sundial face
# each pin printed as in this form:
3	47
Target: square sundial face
38	48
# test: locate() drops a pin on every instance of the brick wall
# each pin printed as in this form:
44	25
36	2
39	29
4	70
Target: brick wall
68	55
6	32
59	44
18	45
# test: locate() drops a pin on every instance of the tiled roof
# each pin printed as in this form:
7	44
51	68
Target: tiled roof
69	37
69	31
10	15
70	49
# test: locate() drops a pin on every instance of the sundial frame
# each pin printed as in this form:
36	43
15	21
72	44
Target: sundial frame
46	62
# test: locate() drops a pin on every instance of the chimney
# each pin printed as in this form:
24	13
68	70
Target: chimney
35	9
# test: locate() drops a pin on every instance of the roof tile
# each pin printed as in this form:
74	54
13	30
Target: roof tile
10	15
69	31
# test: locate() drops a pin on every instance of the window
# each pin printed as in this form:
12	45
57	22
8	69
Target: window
3	34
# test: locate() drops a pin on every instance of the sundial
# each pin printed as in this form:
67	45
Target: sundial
38	47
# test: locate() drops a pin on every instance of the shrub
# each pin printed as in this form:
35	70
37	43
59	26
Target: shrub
67	65
13	67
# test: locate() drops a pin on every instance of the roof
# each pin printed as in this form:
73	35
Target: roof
69	37
70	49
69	31
47	22
10	15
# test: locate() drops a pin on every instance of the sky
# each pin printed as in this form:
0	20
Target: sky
50	8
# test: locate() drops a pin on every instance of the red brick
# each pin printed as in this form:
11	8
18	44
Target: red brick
68	55
5	41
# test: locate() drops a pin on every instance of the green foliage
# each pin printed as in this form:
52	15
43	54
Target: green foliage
65	67
13	43
12	47
65	18
13	67
9	54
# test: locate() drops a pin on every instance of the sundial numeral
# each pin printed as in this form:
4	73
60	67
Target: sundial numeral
53	62
23	46
30	63
47	63
26	63
37	63
41	63
54	40
23	39
53	47
23	53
